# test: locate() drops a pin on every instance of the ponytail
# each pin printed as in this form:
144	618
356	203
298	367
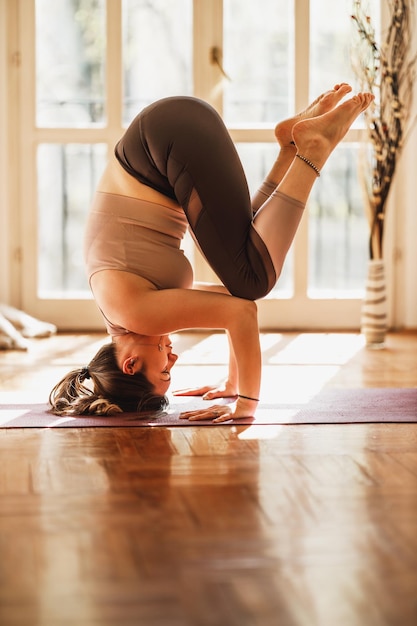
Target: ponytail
110	392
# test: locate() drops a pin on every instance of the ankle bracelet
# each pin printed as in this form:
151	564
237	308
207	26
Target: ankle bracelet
239	395
314	167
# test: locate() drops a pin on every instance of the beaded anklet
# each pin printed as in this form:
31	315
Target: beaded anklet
303	158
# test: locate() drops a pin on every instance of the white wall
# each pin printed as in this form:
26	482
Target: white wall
9	180
403	205
3	156
410	241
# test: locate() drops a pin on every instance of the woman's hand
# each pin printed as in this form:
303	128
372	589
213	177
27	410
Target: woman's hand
226	390
222	413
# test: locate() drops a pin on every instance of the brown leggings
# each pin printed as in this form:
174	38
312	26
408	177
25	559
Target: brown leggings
181	147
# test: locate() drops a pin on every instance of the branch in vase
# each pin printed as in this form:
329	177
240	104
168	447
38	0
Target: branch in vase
389	73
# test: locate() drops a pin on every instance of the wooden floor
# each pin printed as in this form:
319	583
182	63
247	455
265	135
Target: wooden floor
222	526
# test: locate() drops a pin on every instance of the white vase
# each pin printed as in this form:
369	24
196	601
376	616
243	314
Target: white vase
374	318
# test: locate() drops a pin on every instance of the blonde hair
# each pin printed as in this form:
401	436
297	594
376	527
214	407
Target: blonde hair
112	391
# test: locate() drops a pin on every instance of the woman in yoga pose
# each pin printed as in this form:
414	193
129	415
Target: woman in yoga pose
177	168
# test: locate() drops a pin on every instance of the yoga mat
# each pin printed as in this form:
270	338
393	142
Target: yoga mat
330	406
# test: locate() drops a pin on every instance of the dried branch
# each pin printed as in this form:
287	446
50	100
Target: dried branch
388	70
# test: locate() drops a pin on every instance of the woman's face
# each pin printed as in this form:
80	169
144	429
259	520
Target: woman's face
154	357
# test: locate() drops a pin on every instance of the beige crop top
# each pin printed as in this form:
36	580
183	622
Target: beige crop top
137	236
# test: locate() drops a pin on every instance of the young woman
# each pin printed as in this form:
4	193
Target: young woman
177	168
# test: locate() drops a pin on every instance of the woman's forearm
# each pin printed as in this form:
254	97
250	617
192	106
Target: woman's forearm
233	376
245	348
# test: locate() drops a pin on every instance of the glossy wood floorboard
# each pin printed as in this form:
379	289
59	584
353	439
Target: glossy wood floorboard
222	526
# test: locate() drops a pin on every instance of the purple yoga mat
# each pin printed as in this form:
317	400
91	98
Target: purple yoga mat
331	406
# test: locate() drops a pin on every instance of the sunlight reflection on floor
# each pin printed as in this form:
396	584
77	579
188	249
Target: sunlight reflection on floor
295	368
320	348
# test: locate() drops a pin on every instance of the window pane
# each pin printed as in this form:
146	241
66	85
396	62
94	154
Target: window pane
67	178
338	229
258	57
257	160
70	63
157	52
331	42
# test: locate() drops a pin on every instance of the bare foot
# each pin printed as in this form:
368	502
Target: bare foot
316	138
324	103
